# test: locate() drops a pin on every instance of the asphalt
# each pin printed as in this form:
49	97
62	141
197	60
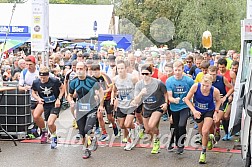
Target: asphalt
111	153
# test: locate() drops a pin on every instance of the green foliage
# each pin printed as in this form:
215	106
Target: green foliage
190	18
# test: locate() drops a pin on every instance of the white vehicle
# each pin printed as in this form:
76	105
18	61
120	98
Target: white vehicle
241	112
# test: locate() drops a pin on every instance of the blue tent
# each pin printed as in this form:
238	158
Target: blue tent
80	45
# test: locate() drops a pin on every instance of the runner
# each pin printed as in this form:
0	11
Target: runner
106	84
152	93
204	110
178	87
70	76
221	83
48	92
124	86
167	74
86	88
27	76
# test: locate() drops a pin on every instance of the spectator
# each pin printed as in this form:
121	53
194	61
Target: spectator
20	67
7	73
16	76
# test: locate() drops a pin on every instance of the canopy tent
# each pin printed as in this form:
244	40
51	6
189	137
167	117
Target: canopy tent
80	45
10	45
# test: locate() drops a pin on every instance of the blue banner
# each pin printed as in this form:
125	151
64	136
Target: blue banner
14	29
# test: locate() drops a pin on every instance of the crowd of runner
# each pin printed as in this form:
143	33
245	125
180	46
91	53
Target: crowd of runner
135	90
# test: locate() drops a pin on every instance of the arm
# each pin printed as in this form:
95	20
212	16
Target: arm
217	99
66	87
35	95
138	96
189	97
70	95
171	98
62	91
229	86
101	96
22	86
113	93
233	77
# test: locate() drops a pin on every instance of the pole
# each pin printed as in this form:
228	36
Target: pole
7	33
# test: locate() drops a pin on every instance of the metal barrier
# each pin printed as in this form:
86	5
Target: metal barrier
15	113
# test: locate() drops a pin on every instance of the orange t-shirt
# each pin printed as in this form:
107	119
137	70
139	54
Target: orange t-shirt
163	78
227	76
155	74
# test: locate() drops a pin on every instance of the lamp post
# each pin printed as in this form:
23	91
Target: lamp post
95	30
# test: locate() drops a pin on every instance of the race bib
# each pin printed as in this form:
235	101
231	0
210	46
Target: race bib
49	99
179	89
84	107
150	99
202	106
124	98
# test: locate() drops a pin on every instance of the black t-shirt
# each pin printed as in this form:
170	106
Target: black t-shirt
48	91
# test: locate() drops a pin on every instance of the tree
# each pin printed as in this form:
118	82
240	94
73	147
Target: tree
190	19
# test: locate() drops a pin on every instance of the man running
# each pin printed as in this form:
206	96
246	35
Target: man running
204	110
106	83
152	93
86	89
70	76
221	83
48	92
178	86
124	86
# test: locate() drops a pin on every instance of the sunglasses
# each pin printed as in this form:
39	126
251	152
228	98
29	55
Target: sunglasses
145	73
188	62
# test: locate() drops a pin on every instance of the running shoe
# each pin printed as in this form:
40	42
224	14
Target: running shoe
156	147
104	137
198	139
170	147
210	142
43	139
229	137
78	136
87	154
141	133
128	146
202	159
124	140
97	131
225	138
53	142
237	134
180	150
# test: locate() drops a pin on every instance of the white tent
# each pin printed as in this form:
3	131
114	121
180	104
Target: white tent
66	21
